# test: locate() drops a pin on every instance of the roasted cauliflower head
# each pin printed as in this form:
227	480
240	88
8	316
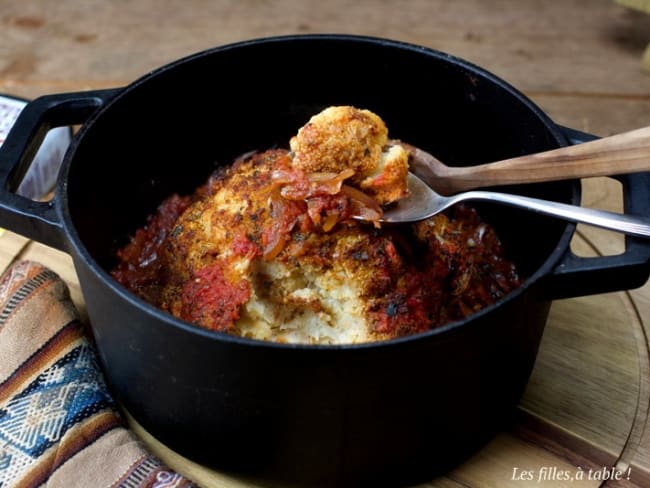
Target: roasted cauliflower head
268	249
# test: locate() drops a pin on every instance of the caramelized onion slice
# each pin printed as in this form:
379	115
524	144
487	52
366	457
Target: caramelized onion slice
297	185
274	247
291	189
284	219
330	221
363	206
328	177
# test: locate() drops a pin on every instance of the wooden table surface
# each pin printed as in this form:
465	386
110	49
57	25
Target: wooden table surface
580	60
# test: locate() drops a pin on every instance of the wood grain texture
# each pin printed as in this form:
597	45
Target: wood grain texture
623	153
537	47
579	60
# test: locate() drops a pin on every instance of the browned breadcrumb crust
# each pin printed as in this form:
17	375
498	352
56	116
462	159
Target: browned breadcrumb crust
210	268
344	137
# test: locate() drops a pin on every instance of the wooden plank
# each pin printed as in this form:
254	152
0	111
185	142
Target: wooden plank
639	456
535	47
510	462
586	379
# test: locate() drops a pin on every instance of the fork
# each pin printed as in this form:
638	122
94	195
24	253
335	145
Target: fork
423	203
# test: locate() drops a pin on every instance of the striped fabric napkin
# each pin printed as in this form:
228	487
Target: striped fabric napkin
58	424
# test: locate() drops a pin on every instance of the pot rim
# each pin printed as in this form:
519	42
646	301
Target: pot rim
74	241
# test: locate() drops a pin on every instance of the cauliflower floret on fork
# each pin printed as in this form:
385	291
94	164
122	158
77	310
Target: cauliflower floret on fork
343	138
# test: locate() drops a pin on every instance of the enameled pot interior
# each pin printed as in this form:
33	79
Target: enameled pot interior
167	132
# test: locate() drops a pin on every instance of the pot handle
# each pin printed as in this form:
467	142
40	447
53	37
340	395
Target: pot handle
579	276
33	219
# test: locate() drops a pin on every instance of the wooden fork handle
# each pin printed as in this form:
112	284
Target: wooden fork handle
628	152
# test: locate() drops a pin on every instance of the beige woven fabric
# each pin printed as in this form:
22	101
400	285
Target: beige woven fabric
58	423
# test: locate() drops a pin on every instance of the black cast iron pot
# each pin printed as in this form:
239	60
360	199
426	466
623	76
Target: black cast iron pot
393	412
